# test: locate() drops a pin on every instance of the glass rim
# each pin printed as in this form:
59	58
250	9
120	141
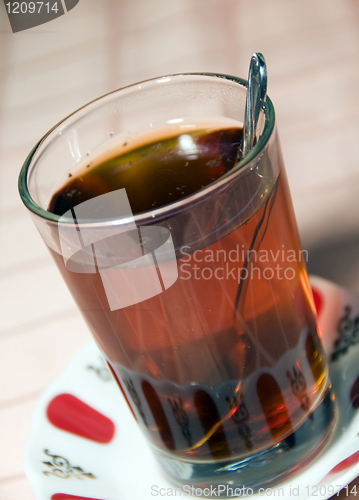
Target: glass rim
165	210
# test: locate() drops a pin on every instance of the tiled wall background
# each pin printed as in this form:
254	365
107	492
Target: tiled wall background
312	52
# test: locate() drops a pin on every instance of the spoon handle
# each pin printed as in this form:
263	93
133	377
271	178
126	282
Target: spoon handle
256	96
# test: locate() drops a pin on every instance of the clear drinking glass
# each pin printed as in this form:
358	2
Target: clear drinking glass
201	307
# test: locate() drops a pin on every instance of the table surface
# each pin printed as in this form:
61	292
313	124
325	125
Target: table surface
312	53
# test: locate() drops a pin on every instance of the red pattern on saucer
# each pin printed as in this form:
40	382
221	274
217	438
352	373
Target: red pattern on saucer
346	464
64	496
318	299
73	415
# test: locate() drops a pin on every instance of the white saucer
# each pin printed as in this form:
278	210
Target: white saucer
62	465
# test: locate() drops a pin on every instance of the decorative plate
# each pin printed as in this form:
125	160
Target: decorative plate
84	443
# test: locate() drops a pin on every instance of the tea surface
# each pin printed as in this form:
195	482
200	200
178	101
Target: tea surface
157	173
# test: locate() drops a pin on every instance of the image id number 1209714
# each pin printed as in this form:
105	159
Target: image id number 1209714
322	491
31	7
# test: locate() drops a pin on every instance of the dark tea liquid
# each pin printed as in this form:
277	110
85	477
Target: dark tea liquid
227	361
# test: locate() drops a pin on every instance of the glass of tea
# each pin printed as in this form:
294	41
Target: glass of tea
186	263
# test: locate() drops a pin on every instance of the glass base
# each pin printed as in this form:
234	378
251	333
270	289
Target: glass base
264	469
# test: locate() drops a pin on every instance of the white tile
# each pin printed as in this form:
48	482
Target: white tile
10	165
32	296
16	489
332	213
21	245
280	20
32	88
32	360
14	427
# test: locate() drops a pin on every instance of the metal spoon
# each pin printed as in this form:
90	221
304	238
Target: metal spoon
256	96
